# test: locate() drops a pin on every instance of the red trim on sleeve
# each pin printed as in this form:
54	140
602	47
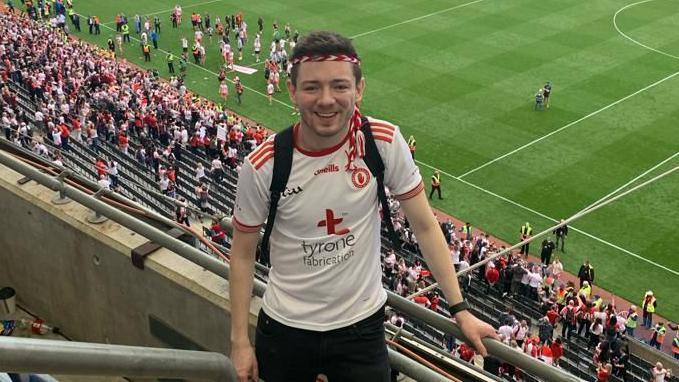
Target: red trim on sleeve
263	161
244	227
266	146
412	193
382	138
387	130
380	123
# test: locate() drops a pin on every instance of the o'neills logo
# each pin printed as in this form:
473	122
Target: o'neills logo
329	168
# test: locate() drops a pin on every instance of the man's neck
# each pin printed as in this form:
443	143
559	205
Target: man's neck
312	142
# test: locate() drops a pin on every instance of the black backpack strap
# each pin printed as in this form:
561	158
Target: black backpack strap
373	160
282	163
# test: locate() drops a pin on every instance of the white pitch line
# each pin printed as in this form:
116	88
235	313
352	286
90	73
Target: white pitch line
216	74
171	9
632	181
623	34
536	140
507	200
416	19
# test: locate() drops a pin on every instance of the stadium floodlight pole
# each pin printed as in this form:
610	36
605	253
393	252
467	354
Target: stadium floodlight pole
179	247
589	209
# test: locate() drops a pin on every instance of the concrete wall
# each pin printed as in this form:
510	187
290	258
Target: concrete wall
79	276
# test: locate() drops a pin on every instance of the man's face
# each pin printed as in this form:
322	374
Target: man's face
325	93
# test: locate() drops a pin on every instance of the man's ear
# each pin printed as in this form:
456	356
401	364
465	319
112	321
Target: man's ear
360	88
292	89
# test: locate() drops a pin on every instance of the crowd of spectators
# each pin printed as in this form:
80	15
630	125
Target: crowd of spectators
82	94
570	313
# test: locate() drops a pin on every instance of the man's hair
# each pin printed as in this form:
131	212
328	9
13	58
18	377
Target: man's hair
323	43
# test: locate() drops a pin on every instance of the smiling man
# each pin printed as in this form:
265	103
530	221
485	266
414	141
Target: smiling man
323	309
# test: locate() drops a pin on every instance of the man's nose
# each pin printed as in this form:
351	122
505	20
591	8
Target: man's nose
327	96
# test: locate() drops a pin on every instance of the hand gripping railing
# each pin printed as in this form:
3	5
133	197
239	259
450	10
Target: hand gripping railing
28	355
495	348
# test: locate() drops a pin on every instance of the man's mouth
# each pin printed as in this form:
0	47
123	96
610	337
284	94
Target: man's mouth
326	115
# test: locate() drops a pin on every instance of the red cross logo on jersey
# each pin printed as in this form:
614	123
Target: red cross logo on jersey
331	224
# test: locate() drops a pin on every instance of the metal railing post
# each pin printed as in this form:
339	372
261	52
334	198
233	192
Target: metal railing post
60	197
28	355
95	217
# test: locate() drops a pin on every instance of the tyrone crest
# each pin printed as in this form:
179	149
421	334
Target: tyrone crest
360	177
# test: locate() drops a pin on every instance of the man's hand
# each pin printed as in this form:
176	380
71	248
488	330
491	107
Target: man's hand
244	361
475	329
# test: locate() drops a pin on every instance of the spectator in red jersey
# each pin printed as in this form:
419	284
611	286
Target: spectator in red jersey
568	319
552	314
492	276
557	351
465	352
546	353
65	135
603	372
435	301
217	233
123	142
422	300
100	166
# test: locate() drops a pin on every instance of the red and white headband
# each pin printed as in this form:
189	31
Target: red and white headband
327	57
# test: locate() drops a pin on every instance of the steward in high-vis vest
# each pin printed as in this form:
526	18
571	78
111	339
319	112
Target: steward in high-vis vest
147	52
466	230
170	62
526	231
632	321
586	290
675	345
435	184
658	336
412	145
126	32
648	305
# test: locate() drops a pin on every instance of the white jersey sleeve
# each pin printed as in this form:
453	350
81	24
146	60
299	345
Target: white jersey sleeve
401	176
252	195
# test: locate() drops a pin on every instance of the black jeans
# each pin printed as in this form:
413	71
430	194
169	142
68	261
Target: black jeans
353	353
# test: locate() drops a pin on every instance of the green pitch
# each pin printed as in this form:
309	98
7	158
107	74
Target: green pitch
461	75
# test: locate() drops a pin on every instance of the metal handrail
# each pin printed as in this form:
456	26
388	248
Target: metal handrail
29	355
495	348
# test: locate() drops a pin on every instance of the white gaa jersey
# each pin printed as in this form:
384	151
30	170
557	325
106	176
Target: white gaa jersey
325	242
